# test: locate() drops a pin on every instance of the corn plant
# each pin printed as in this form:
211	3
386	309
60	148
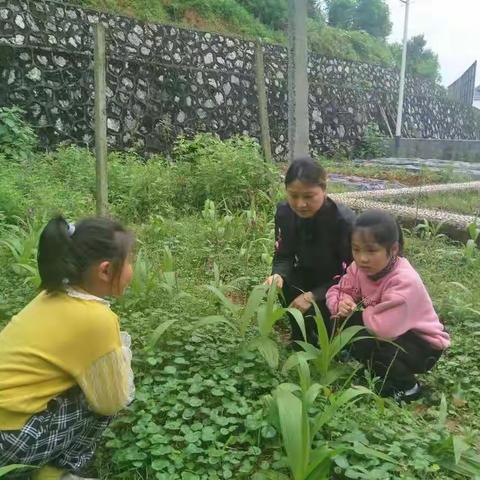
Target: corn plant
429	230
456	305
217	224
144	281
262	304
220	284
168	275
289	411
21	241
323	357
471	246
453	452
262	246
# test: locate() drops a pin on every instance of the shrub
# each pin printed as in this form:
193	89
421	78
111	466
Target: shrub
232	173
139	189
17	138
372	144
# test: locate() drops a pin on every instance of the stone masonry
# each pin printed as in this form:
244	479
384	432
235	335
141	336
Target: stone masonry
165	81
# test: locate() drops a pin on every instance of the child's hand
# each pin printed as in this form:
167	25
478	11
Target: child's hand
346	307
303	302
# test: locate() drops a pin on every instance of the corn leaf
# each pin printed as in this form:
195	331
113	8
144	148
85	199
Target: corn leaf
160	330
267	348
295	443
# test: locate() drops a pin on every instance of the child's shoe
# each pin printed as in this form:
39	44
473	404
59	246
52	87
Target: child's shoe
409	395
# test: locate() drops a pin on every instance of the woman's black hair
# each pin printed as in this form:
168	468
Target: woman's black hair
65	253
383	227
306	170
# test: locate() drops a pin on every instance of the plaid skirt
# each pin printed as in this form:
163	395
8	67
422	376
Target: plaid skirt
65	435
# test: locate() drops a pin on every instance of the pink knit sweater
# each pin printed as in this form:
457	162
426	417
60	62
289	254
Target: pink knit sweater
395	304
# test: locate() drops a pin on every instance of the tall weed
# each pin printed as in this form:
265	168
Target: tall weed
17	138
232	172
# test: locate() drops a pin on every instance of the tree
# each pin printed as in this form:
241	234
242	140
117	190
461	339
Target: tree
273	13
373	16
421	61
341	13
314	9
270	12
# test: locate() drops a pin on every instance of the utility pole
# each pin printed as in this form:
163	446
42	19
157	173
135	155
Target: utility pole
101	121
298	119
401	93
262	102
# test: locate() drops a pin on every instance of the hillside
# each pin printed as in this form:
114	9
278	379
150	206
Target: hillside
265	19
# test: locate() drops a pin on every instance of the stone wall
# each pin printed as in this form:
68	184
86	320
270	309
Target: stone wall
164	81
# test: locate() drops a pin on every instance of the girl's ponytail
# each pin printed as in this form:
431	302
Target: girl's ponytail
56	257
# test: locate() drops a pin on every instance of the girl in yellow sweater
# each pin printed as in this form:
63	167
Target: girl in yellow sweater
64	364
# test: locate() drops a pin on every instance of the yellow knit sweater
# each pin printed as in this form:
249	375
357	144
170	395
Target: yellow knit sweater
58	341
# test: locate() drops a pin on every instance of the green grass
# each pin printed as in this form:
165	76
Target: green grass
337	187
239	18
199	413
466	202
424	177
222	16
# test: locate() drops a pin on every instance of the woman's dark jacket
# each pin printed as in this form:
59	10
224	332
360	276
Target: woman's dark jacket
311	253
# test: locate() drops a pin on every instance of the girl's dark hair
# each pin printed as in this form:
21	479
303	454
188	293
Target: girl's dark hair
383	227
65	254
306	170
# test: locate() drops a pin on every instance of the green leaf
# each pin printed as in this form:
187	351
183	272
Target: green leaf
343	338
230	306
253	303
312	394
289	387
189	476
160	330
320	464
473	231
443	411
303	373
267	348
12	468
293	359
160	464
459	448
270	475
323	338
295	439
369	452
266	320
195	402
208	434
298	317
337	402
213	320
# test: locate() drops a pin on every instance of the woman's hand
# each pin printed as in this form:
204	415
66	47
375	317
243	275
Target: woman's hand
275	278
346	307
303	302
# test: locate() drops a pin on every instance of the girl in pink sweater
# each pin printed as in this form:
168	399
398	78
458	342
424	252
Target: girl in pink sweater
383	292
